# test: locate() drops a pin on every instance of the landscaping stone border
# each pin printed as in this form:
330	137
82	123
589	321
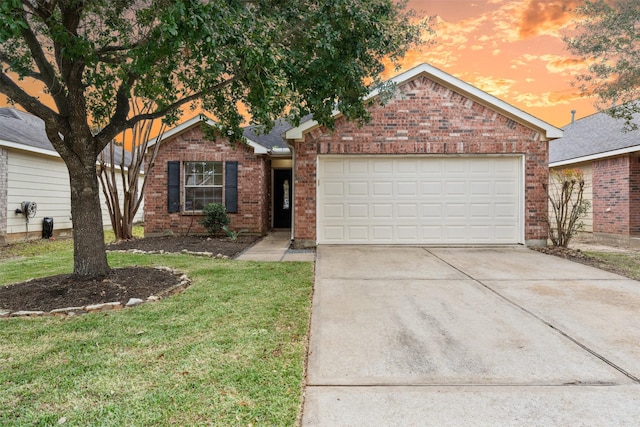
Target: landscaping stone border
162	252
185	282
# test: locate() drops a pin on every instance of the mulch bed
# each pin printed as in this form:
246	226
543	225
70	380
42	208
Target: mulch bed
67	290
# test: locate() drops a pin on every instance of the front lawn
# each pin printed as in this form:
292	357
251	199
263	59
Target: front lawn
228	351
623	263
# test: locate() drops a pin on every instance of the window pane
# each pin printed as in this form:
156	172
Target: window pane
203	184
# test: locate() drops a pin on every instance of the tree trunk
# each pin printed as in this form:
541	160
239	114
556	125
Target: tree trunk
90	256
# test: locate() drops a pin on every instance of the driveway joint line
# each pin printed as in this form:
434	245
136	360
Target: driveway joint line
535	316
471	385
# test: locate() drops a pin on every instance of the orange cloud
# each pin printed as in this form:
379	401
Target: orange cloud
560	64
547	99
555	64
499	87
545	17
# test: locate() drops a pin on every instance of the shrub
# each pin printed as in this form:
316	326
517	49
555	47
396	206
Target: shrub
565	193
215	218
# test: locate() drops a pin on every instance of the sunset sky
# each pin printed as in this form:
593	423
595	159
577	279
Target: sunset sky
511	49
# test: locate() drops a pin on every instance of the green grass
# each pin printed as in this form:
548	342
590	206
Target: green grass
624	263
227	351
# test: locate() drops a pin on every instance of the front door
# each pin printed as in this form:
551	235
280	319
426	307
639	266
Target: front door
282	189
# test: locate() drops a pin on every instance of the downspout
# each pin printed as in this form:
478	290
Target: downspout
293	191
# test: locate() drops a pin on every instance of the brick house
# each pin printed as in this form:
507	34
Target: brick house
442	162
191	171
609	158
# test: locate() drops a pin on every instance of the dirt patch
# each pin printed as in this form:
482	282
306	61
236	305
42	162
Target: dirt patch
172	244
67	290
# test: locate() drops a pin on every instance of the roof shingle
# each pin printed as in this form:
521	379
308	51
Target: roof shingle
596	134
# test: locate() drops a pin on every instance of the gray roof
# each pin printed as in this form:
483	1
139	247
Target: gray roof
594	135
23	128
270	140
26	129
273	139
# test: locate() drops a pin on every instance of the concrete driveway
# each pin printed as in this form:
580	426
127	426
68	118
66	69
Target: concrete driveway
408	336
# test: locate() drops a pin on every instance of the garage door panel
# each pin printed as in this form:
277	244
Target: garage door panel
480	211
383	167
505	166
480	167
456	210
407	211
358	189
333	189
505	210
431	188
432	211
407	167
432	168
422	200
357	167
358	232
407	233
383	233
455	167
332	168
505	188
334	234
359	211
334	211
455	188
383	211
481	188
407	189
455	233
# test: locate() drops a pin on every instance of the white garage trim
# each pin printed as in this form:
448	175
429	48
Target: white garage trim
415	199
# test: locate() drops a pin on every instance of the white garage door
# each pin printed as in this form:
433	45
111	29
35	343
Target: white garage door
419	200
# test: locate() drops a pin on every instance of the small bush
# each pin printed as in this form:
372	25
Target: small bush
215	218
565	193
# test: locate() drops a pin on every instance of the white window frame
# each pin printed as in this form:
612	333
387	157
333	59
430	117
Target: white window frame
210	178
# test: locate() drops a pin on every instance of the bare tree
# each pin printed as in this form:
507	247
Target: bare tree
566	197
119	165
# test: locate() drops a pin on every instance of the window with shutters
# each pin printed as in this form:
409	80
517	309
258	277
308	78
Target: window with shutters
202	184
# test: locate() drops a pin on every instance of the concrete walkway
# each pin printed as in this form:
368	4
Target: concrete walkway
409	336
276	247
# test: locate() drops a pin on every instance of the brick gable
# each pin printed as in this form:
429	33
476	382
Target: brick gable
425	117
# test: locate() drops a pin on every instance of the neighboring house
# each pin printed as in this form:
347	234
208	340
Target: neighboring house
609	158
442	162
31	170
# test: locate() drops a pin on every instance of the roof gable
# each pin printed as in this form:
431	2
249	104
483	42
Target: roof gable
262	143
595	136
548	131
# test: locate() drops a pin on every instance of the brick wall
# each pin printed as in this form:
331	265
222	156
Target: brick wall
634	195
616	195
425	117
253	184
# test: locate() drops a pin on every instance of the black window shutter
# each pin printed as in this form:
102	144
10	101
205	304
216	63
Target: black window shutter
173	187
231	186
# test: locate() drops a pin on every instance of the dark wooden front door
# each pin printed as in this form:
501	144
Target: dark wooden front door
282	189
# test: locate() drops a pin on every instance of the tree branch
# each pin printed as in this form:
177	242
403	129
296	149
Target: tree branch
114	128
30	103
47	73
